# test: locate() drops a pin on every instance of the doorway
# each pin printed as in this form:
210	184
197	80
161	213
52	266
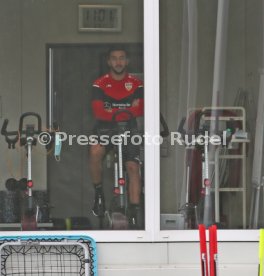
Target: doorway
72	70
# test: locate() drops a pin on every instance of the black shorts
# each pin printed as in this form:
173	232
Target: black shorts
107	133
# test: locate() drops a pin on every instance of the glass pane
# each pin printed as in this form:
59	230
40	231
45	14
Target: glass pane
82	70
211	93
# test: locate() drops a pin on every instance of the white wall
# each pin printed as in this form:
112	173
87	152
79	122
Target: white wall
170	259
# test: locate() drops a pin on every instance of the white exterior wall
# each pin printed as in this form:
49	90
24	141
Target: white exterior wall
171	259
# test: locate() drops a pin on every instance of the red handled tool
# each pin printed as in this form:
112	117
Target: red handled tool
203	250
213	251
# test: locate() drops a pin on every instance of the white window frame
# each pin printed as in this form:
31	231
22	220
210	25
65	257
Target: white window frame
151	117
180	235
152	156
151	94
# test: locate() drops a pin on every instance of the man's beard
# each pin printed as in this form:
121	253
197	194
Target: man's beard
119	72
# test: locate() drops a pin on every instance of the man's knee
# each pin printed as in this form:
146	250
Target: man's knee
132	167
96	151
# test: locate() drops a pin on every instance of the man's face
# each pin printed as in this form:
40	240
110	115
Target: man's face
118	61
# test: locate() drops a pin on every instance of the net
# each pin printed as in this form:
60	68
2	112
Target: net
50	255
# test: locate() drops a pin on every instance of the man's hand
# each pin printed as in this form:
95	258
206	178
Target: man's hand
135	102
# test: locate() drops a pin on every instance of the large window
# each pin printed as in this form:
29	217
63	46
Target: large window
62	54
211	87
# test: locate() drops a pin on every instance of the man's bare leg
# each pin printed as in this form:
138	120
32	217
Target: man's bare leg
96	155
134	182
134	193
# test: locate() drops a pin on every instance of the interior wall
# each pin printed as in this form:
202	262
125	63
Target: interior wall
10	80
170	59
171	12
26	27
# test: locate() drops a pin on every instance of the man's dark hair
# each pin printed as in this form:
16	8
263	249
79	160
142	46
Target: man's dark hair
117	47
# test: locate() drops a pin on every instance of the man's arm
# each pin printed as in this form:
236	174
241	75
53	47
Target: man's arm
98	108
137	108
105	114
